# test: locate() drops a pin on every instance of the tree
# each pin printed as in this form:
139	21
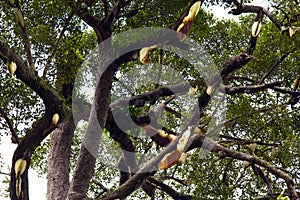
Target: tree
252	74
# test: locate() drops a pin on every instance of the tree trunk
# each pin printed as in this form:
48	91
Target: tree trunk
86	159
97	119
59	161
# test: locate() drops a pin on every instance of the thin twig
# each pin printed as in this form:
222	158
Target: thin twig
47	65
276	65
160	61
100	185
11	128
6	174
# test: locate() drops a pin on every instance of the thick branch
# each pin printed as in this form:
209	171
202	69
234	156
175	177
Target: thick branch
241	78
114	13
255	9
97	121
136	180
182	182
103	32
152	96
235	63
40	130
29	77
126	144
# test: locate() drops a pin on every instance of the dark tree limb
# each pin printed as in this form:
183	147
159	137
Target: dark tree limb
149	189
88	18
254	9
10	3
258	172
126	144
130	14
114	13
235	63
123	170
250	89
29	77
140	100
105	8
286	91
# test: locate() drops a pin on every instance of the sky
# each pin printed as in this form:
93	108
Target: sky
40	184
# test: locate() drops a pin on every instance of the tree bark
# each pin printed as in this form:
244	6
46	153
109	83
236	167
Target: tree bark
59	161
90	146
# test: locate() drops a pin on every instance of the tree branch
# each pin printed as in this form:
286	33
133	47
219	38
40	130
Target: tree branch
4	173
258	172
29	77
241	78
235	63
152	96
10	126
277	64
183	15
24	34
182	182
286	91
114	14
253	39
250	89
244	141
122	138
100	185
170	191
47	65
204	142
105	8
255	9
130	14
